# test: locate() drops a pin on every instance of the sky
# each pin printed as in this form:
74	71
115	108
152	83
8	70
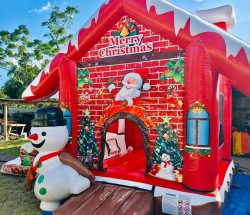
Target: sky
33	12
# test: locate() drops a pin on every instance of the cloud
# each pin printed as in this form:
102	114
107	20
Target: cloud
198	0
13	60
43	8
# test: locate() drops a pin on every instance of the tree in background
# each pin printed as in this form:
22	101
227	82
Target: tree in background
57	25
2	94
14	55
23	58
13	88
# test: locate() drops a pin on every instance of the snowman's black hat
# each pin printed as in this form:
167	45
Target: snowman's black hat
48	116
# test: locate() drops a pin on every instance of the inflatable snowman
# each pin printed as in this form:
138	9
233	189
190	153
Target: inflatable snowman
167	170
58	173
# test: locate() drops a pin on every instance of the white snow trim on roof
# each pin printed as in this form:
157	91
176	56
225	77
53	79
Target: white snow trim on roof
181	16
27	92
73	41
199	25
233	47
224	13
162	6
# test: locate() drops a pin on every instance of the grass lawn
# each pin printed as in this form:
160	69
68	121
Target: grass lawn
14	199
11	147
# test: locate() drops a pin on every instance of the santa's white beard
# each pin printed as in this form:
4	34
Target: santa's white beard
127	93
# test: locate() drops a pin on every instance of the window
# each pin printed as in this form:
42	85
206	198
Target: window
197	126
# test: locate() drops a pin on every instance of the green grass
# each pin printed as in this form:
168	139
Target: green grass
14	199
11	147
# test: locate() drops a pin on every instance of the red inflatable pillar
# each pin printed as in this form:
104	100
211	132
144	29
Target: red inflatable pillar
68	98
226	91
200	170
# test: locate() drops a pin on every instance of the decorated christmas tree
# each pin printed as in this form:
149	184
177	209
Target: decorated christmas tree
87	145
167	143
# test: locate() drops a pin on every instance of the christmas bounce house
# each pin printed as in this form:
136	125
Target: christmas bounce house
146	91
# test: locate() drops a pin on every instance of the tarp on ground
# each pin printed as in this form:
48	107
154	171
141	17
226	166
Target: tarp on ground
237	202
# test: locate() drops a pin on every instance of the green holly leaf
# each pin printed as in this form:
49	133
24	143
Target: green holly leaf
177	77
80	72
80	83
182	70
170	64
85	72
86	80
179	62
162	77
171	73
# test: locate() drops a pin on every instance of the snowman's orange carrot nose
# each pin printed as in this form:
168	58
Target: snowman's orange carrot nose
33	137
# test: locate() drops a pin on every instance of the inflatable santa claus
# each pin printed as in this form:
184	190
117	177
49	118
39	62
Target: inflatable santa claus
132	83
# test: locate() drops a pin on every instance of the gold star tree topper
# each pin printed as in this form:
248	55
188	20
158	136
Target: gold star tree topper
166	119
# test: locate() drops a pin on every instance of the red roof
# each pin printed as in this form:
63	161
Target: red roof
229	54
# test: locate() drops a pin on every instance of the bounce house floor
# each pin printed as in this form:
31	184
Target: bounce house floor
123	179
129	169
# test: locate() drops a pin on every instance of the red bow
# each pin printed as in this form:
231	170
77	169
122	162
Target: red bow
166	163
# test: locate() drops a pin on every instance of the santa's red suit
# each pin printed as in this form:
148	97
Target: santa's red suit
131	89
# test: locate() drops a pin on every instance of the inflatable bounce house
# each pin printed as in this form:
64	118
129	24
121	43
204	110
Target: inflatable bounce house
146	89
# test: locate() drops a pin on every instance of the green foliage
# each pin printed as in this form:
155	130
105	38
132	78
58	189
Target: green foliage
2	94
13	88
82	78
23	58
175	70
57	25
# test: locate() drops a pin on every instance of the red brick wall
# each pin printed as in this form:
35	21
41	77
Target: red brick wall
154	100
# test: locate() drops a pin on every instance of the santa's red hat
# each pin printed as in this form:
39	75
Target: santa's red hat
143	72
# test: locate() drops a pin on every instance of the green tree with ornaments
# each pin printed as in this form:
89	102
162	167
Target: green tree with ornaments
166	149
87	145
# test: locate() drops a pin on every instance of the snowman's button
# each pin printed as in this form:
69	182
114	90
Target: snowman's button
42	191
40	165
40	179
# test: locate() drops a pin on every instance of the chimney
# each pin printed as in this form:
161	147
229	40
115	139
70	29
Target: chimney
223	17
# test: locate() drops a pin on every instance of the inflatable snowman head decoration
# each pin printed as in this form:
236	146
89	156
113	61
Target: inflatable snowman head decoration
48	130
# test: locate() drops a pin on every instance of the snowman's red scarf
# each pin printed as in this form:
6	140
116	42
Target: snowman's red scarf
33	167
166	163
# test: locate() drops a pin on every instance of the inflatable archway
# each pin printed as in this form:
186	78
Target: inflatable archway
144	133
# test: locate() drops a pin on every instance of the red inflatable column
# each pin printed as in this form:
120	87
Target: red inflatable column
68	98
200	170
226	91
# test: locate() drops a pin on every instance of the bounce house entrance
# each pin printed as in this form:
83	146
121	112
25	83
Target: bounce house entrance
241	124
125	145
